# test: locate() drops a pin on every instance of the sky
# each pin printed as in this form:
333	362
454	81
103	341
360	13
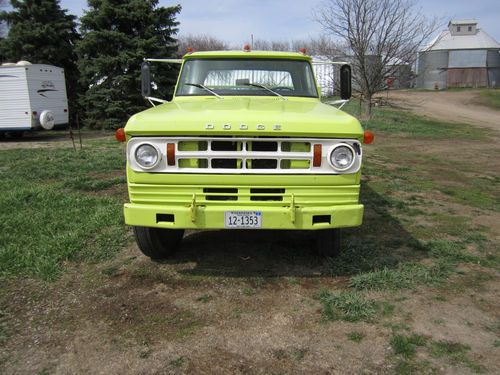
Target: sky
235	20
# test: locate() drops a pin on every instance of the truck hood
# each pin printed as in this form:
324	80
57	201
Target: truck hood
244	116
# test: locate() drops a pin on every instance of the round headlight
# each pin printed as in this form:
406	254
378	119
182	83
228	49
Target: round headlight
342	157
147	156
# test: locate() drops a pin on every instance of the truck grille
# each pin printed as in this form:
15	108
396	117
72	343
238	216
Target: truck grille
242	195
227	155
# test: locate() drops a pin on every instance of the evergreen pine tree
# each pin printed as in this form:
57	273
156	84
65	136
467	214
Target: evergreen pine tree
116	36
41	32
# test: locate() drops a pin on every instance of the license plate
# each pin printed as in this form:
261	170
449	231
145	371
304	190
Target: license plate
243	219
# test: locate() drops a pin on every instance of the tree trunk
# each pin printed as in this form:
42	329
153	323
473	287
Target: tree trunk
367	108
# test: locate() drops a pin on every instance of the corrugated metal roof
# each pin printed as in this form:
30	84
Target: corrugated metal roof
471	21
446	41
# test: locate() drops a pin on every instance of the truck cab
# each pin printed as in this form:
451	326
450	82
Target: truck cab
245	143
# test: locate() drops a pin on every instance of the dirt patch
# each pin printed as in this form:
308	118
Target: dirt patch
133	316
450	106
243	302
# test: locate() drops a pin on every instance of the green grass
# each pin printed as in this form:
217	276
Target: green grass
51	212
406	345
475	197
405	276
348	306
456	352
355	336
453	252
490	98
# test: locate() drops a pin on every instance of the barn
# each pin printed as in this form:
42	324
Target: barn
461	56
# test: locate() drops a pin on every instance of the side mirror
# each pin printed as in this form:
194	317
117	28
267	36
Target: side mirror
145	79
345	82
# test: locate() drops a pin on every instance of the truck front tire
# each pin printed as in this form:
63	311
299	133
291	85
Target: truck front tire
158	243
328	242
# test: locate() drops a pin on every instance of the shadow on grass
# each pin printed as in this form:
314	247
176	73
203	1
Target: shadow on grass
381	241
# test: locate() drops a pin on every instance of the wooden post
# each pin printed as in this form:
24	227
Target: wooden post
71	136
79	132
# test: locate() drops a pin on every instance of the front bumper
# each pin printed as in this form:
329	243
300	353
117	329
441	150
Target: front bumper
212	217
200	201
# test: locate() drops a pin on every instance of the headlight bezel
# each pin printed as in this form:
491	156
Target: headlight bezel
350	165
158	156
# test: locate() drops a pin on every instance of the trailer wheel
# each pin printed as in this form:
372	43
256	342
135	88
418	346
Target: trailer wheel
328	242
158	243
47	120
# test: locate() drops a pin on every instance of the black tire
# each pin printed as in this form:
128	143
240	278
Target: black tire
158	243
328	242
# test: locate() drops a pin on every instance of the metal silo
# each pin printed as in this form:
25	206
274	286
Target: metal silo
432	69
493	63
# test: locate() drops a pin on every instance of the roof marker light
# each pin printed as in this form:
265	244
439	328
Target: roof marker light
302	50
246	48
190	50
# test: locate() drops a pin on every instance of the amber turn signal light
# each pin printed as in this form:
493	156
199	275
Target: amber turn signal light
368	137
171	153
120	135
317	155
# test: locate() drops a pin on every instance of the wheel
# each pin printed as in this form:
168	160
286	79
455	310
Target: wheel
158	243
328	242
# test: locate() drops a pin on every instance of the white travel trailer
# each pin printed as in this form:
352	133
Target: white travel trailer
32	96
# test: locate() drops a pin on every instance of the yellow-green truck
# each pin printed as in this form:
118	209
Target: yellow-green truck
245	143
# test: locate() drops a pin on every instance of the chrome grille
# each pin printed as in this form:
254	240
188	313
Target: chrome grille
234	155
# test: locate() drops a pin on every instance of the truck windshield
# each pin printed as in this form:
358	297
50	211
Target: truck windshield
236	77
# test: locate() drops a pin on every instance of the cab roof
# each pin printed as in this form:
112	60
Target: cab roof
246	55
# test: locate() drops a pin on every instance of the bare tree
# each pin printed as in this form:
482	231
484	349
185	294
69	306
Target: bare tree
322	45
379	34
271	45
201	42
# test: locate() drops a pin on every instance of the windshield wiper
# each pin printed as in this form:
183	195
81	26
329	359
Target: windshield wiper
200	86
265	88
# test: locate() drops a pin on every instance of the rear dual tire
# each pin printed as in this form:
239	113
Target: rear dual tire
158	243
